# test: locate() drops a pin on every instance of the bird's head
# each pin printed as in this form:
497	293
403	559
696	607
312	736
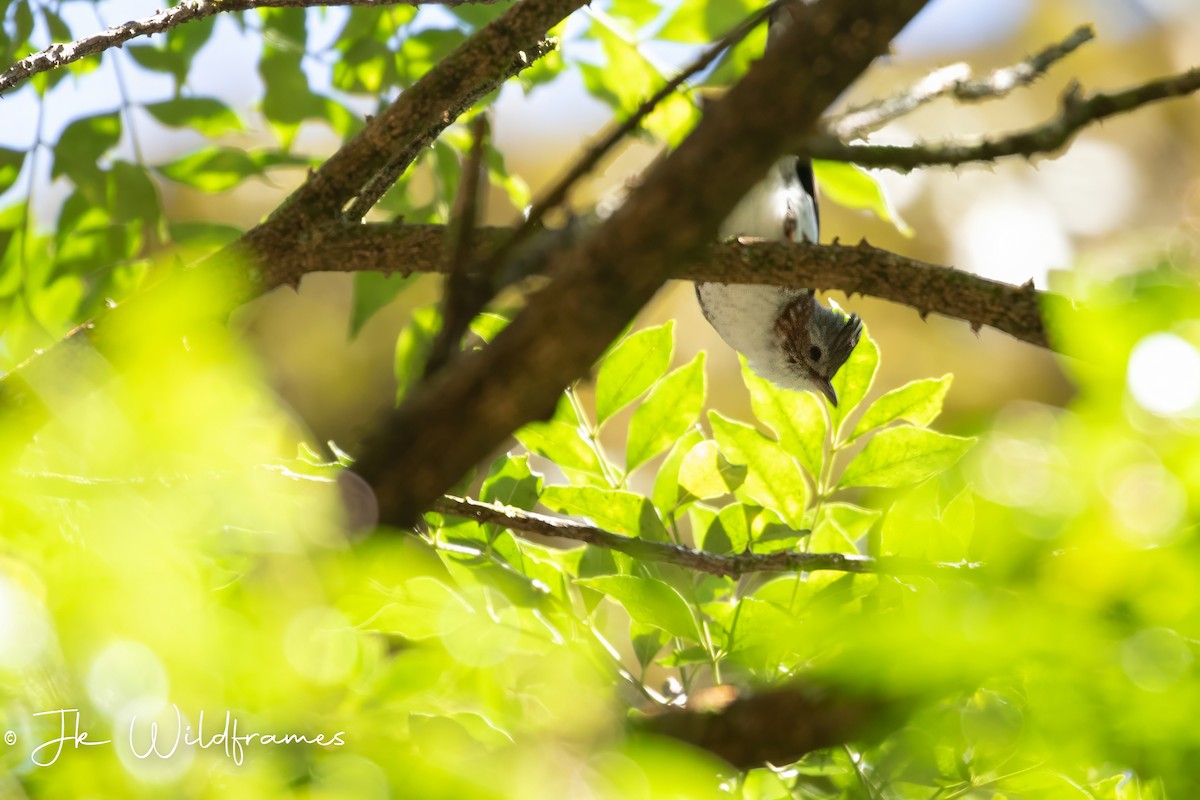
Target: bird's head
813	344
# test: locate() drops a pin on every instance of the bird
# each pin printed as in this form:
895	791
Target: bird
787	336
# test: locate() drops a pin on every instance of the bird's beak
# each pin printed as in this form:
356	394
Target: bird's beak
827	389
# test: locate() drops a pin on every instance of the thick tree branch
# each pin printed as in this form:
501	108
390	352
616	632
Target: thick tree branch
600	284
860	268
779	726
464	295
386	177
63	53
417	116
558	192
955	81
1076	111
525	523
415	119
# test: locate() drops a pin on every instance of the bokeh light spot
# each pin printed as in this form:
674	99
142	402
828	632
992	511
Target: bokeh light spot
1155	658
126	674
1164	374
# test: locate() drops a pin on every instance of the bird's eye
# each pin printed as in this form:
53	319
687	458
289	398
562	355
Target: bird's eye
814	353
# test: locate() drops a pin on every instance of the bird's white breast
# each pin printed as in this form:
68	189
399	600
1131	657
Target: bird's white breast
745	314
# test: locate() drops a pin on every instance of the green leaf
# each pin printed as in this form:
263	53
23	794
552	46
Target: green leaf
511	482
648	601
639	13
726	532
632	367
628	78
373	291
487	326
563	444
853	380
288	100
705	21
795	417
915	527
132	194
613	510
904	456
647	641
918	402
839	526
11	162
207	115
705	473
667	412
412	348
769	533
82	143
855	188
416	609
193	240
773	479
218	169
159	59
686	656
765	634
666	481
59	30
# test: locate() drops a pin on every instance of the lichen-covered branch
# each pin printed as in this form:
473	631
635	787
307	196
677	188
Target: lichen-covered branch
954	81
1076	112
525	523
859	268
62	53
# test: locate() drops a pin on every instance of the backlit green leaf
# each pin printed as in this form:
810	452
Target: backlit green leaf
705	473
563	444
412	348
666	413
207	115
796	417
613	510
918	402
855	188
83	142
373	291
649	601
853	380
632	367
511	482
666	481
728	531
773	478
904	456
218	169
705	21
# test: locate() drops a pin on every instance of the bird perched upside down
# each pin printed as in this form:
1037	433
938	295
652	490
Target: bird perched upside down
787	336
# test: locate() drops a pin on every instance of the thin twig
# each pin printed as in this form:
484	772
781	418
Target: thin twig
1076	112
954	81
585	164
63	53
465	294
526	522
